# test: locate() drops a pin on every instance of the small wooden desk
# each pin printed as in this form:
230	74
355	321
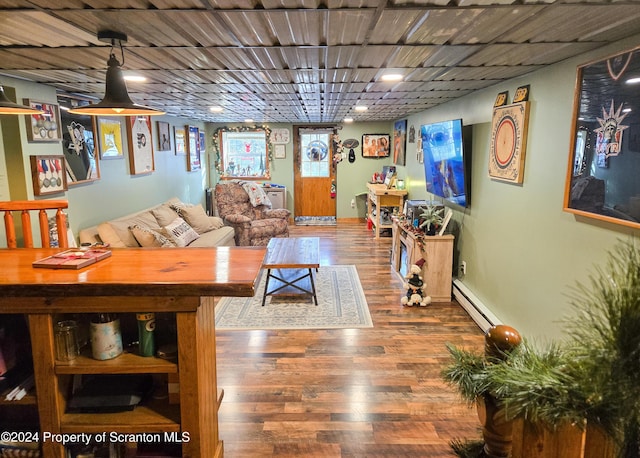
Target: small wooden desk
180	281
380	196
292	253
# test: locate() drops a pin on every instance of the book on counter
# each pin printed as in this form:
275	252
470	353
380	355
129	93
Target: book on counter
76	258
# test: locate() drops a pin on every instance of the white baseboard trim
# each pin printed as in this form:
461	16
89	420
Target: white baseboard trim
474	306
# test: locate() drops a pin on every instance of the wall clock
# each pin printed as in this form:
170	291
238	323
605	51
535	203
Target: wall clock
508	142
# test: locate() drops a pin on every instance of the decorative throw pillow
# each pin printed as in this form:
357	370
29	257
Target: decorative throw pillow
108	235
164	214
180	232
197	218
149	238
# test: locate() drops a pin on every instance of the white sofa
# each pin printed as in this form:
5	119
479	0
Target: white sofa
172	223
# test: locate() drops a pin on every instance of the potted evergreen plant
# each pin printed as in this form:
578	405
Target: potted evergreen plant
431	219
592	379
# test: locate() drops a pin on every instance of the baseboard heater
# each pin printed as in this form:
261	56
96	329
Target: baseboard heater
474	307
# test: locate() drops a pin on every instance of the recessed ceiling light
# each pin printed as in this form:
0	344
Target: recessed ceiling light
361	108
633	80
216	109
248	120
348	119
391	77
135	78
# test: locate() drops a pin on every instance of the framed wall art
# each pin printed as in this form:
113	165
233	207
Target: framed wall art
603	166
180	137
193	148
280	136
509	126
279	151
376	145
43	128
164	136
79	147
140	144
399	142
48	174
202	144
110	138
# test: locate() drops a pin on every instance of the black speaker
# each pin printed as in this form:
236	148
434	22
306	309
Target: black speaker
208	198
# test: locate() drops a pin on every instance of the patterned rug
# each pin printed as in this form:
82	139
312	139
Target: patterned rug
315	221
341	304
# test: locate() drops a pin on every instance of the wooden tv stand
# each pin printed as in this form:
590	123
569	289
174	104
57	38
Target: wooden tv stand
437	252
182	281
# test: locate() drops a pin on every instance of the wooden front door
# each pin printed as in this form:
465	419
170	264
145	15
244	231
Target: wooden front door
314	173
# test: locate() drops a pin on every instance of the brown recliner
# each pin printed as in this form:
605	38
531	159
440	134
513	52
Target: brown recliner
253	225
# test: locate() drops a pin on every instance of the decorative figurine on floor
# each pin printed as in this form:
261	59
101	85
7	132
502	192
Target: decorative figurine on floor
414	284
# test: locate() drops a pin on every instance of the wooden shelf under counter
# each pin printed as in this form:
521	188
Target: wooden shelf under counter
126	363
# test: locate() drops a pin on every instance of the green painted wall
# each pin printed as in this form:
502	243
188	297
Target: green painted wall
523	253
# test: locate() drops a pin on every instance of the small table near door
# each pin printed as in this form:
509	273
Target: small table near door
285	253
380	196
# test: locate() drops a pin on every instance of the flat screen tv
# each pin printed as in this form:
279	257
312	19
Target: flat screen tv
446	147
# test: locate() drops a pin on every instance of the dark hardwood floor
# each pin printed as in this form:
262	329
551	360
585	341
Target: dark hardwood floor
374	392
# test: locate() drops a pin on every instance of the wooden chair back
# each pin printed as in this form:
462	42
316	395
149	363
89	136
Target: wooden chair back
41	206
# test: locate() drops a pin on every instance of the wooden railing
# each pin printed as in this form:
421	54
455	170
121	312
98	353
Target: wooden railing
41	206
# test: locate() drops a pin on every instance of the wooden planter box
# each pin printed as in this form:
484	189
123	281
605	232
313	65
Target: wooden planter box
534	440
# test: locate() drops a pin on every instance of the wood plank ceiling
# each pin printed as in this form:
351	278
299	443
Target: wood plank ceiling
301	60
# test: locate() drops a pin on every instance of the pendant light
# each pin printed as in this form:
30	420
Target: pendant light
8	107
116	100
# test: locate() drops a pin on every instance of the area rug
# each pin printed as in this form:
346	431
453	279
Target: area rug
315	221
341	304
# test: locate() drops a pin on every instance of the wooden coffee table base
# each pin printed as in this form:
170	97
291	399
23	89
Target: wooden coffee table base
300	253
293	283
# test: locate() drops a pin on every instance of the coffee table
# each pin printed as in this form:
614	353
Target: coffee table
291	253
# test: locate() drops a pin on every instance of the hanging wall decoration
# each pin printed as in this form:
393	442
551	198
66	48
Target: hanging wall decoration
502	99
193	148
351	143
279	136
48	174
376	145
509	127
180	137
399	142
602	170
164	136
43	128
79	146
140	144
110	130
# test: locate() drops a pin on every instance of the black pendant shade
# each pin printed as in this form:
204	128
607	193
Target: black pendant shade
116	100
8	107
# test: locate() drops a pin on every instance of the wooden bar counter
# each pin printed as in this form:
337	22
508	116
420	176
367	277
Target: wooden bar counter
182	281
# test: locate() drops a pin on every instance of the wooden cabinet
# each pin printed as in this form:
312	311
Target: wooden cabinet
379	197
437	251
179	281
